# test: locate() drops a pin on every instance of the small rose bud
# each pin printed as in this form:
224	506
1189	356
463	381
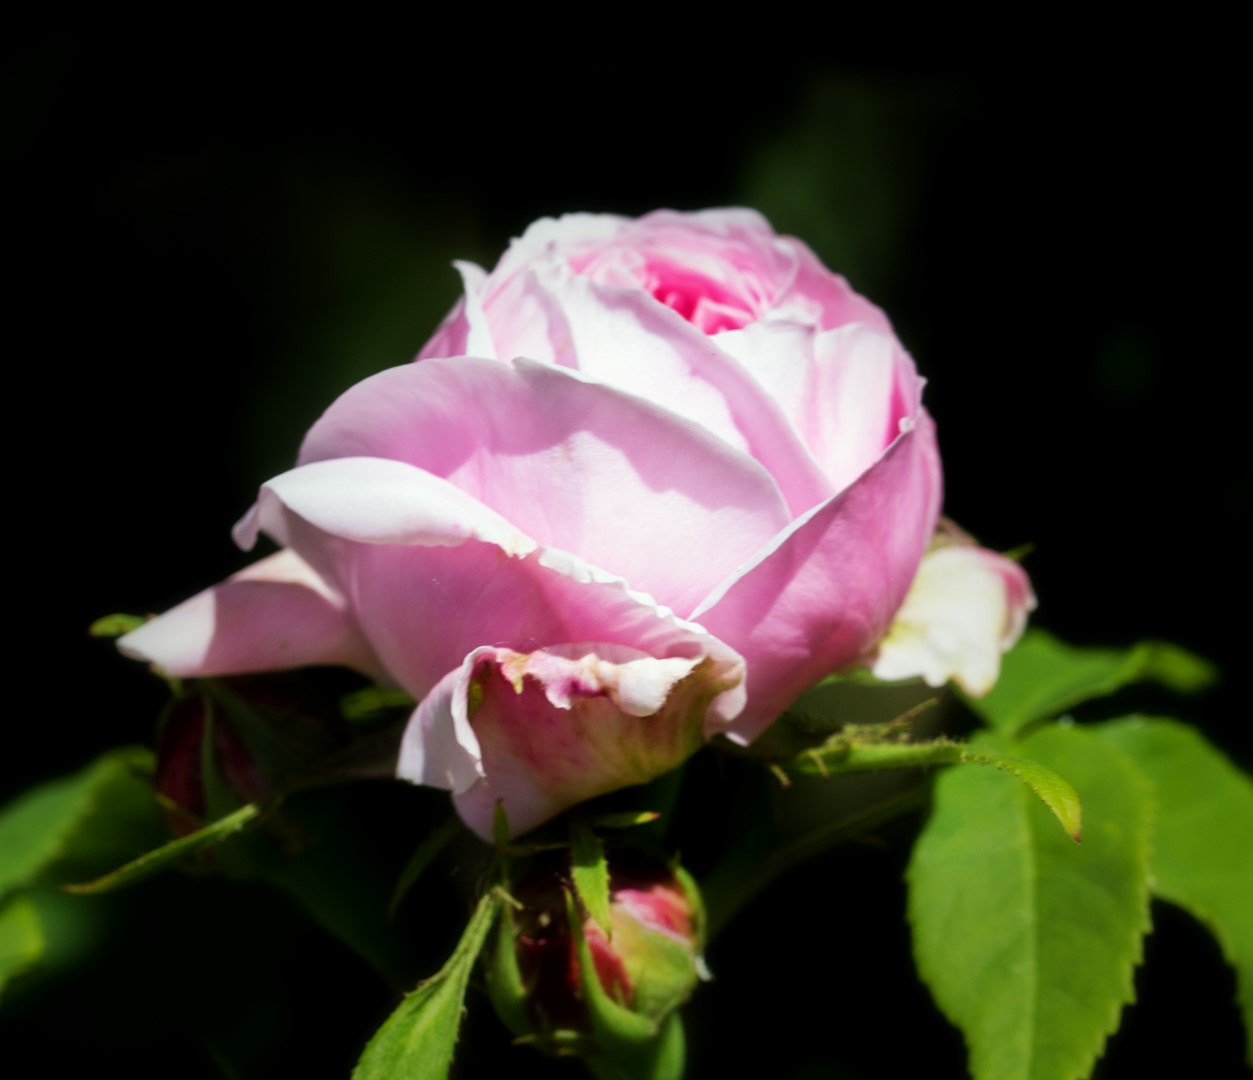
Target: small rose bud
569	984
228	742
185	750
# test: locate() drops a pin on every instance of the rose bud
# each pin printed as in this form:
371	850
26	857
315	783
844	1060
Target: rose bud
563	981
228	742
184	754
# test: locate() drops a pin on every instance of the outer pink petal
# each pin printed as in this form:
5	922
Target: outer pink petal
826	592
425	609
845	391
431	574
276	614
574	464
552	728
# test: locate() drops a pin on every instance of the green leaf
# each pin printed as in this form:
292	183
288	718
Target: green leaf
1203	835
41	826
152	861
589	871
112	626
1054	791
21	939
839	755
1043	677
1027	940
418	1039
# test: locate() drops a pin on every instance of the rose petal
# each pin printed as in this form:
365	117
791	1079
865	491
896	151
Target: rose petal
822	595
845	391
624	338
965	608
542	731
574	464
276	614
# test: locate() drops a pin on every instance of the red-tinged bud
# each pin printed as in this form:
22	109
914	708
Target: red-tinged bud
196	738
228	742
572	985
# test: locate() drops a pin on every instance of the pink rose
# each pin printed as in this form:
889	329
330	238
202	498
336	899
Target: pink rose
649	480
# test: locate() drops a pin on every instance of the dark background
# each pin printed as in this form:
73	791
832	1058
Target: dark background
216	233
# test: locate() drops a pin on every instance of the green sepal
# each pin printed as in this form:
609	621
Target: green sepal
615	1029
418	1040
1042	677
1202	857
589	871
663	1058
115	626
504	978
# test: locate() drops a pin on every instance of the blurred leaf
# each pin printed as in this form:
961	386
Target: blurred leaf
590	872
1043	677
1202	856
628	819
374	703
419	1038
21	938
46	823
434	843
152	861
1029	941
112	626
315	875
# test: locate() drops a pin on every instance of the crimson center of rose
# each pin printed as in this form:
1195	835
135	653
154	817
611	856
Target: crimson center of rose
705	302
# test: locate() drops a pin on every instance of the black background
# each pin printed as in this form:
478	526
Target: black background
216	231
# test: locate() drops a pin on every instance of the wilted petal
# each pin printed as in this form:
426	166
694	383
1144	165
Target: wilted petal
965	608
276	614
540	732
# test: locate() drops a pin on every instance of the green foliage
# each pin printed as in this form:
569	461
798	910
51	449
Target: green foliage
21	938
1043	677
87	818
419	1038
590	873
1202	856
1027	940
374	704
152	861
847	752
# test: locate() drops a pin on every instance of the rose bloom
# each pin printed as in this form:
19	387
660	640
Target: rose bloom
650	480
